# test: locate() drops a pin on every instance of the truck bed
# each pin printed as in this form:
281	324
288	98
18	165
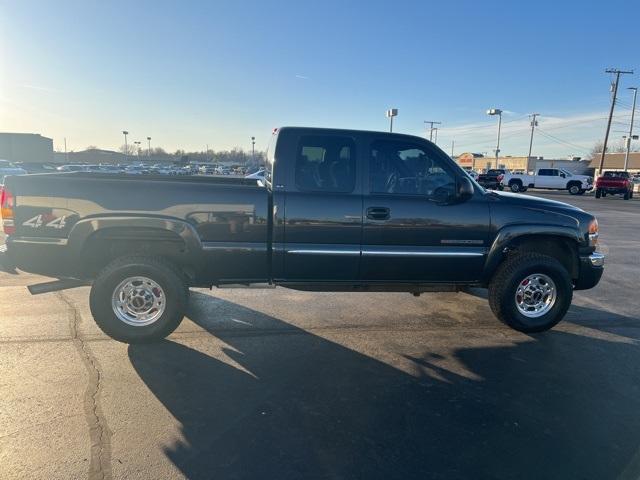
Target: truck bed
210	216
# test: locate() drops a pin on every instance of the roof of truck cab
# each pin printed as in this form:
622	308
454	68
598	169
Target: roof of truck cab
347	131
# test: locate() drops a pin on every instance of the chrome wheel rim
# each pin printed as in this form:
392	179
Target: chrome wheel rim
574	189
138	301
536	295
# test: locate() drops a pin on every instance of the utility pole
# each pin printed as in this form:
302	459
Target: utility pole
452	144
148	146
66	155
436	137
534	124
613	104
431	129
633	111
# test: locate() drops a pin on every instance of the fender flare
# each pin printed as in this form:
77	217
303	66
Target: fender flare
85	228
509	233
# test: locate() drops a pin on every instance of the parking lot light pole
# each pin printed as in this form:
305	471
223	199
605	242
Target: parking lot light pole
392	112
126	147
497	111
137	147
630	137
253	149
148	146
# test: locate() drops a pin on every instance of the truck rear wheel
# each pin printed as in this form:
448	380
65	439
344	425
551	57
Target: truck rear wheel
515	186
530	292
138	299
598	193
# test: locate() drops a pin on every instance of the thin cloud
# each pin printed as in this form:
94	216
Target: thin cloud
39	88
302	77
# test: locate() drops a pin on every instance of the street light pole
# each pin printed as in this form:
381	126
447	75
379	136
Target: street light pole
497	111
126	147
137	147
253	149
148	146
633	111
392	112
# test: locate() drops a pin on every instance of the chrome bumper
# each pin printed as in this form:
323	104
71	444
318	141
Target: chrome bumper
596	259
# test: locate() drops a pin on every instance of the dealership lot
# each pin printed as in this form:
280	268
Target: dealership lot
284	384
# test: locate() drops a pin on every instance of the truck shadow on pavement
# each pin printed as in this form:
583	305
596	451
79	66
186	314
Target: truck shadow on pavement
295	405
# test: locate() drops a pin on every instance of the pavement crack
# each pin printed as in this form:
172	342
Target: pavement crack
99	434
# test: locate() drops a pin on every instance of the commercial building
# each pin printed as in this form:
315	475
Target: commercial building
615	161
92	156
480	163
26	147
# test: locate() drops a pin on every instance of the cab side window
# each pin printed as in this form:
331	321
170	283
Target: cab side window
404	169
325	164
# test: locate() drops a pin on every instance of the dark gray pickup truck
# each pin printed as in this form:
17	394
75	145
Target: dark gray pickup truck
339	210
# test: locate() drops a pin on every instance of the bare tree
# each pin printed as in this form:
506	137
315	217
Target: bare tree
128	149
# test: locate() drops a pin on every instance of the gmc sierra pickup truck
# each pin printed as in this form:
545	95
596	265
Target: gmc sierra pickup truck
339	210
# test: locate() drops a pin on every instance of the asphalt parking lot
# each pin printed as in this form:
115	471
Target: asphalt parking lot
283	384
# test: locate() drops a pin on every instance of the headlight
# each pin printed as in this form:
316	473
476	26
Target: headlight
593	233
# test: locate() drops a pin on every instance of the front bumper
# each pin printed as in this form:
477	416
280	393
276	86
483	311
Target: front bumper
591	270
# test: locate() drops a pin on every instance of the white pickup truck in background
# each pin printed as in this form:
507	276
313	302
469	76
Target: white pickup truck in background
550	179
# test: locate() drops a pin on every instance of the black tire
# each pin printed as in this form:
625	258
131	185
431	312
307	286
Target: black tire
598	193
505	282
604	194
626	195
581	192
631	194
165	275
515	187
573	188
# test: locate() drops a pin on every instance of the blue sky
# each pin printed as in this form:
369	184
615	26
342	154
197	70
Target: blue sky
195	73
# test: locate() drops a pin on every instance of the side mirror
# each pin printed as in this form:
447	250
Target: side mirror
563	175
465	188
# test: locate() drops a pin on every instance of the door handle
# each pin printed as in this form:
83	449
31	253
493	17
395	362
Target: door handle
378	213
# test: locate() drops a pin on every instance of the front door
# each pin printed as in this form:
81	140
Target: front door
323	211
413	230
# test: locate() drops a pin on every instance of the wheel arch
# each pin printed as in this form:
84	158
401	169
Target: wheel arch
558	242
98	241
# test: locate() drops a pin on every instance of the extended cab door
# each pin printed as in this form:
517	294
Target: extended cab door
323	207
414	230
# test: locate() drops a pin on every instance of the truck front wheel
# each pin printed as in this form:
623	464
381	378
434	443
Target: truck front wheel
515	187
138	299
530	292
574	188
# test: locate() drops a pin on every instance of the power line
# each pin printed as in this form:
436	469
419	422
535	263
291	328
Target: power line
559	140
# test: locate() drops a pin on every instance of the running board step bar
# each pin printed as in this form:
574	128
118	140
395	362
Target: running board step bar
56	286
